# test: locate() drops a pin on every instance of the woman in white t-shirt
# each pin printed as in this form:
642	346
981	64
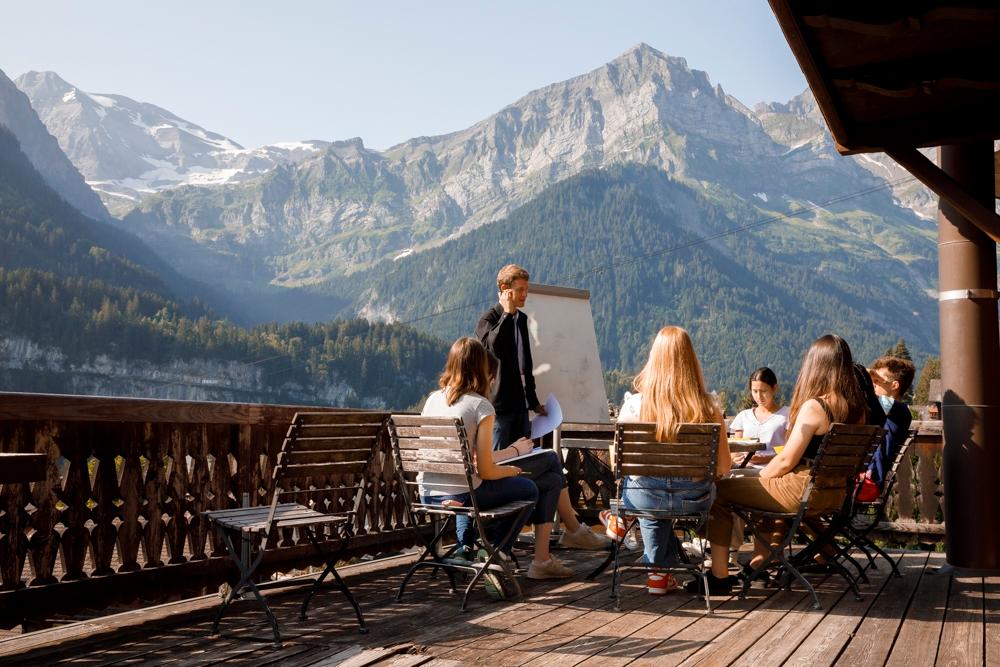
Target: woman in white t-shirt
765	421
464	385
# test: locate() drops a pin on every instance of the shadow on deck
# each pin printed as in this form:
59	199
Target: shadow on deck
918	619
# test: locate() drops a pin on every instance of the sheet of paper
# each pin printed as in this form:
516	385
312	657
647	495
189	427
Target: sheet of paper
524	456
543	424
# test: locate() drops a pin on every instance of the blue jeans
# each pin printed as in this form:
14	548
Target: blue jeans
679	495
492	493
510	427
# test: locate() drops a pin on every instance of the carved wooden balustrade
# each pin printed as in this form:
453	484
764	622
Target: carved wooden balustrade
117	516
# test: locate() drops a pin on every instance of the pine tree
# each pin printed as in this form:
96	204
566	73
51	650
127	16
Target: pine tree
930	371
900	350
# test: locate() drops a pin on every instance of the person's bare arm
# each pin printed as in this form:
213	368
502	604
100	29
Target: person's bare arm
811	420
486	466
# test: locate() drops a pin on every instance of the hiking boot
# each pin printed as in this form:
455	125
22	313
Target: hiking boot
550	569
661	584
583	538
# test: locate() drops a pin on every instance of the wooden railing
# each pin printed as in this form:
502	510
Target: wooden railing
118	513
117	516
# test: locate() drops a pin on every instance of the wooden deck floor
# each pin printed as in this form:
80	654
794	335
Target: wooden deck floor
919	619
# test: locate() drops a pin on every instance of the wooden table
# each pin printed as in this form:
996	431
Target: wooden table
21	468
750	448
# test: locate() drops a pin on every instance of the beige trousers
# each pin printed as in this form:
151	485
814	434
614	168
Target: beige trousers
775	494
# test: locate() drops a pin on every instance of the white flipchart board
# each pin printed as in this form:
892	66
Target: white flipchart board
564	351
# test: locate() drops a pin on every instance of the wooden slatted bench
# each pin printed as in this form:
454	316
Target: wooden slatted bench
320	451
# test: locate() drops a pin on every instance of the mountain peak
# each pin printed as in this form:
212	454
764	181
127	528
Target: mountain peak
46	84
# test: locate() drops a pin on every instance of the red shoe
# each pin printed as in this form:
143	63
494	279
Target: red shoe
613	528
661	584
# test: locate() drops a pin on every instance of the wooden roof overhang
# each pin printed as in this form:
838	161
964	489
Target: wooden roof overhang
895	76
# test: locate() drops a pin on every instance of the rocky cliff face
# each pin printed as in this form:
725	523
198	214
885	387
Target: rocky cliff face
42	150
799	124
351	206
344	208
27	366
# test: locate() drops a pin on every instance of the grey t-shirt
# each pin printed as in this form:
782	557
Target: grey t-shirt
471	409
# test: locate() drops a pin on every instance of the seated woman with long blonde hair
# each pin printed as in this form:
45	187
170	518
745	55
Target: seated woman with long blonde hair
827	391
671	391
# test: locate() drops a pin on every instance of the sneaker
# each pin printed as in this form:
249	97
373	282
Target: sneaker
716	586
696	548
583	538
494	582
550	569
615	530
661	584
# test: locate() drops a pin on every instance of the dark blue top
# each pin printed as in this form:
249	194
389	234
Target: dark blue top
897	425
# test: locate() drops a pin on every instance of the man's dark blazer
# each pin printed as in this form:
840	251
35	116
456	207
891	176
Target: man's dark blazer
496	331
897	427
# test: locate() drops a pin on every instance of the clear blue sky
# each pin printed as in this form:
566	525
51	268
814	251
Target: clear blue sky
265	71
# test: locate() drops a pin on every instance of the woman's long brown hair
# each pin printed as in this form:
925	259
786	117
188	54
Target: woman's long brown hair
466	370
828	371
672	385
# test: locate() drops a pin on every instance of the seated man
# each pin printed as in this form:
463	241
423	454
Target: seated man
892	377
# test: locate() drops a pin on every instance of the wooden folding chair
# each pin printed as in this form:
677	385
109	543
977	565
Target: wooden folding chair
320	452
440	445
843	453
691	454
865	516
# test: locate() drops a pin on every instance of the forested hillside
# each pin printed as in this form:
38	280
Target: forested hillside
77	299
635	239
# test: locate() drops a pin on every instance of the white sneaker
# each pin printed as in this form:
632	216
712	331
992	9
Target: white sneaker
583	538
696	548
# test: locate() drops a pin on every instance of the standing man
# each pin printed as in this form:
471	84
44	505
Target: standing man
503	329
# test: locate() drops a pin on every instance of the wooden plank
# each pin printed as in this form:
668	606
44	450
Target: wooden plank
322	456
662	471
666	448
921	626
667	459
424	466
873	638
694	636
59	407
310	444
429	443
962	637
745	633
840	623
442	431
334	430
991	620
438	455
412	421
327	418
321	469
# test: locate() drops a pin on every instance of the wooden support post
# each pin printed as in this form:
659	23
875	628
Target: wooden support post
970	365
